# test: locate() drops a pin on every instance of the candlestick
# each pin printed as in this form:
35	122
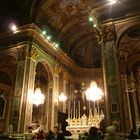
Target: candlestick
98	107
74	109
76	114
79	108
71	114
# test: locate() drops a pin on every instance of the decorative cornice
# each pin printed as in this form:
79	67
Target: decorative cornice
32	34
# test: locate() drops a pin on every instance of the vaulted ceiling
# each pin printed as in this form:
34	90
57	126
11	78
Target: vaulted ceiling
67	21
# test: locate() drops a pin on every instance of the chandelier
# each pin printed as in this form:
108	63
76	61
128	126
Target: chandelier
38	97
62	97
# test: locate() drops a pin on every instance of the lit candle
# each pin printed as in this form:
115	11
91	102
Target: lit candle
76	113
79	108
69	110
74	109
98	107
71	114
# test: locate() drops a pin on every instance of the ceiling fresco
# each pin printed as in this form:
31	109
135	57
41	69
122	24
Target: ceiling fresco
69	20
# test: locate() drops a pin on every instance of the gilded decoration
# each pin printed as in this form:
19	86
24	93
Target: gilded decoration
104	34
27	51
66	75
57	68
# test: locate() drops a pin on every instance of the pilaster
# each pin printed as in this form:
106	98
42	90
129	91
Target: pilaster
112	85
126	103
24	87
57	70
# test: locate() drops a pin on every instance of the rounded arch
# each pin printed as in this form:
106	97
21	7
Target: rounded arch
125	29
44	76
133	62
8	65
48	69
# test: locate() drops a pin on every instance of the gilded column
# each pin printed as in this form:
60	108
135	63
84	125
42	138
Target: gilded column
24	87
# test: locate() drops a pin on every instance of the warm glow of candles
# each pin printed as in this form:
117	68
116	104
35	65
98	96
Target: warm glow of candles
76	114
74	109
69	110
71	114
79	108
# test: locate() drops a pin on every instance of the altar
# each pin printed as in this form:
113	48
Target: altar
80	123
78	129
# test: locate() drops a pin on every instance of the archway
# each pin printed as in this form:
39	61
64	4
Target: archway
40	112
129	54
7	84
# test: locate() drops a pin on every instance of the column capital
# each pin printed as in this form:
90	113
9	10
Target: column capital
109	33
27	51
123	76
66	75
57	68
105	33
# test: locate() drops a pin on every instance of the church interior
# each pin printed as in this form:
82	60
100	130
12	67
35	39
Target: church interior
54	52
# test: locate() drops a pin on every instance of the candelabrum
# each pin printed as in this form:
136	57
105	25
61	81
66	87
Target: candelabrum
93	119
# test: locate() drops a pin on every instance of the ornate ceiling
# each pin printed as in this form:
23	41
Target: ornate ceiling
67	21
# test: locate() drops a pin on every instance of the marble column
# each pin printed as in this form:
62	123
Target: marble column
112	85
65	89
133	89
55	94
49	107
107	105
24	88
126	105
138	89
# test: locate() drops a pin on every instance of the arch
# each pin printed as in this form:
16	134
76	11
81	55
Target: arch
8	66
133	61
125	29
44	76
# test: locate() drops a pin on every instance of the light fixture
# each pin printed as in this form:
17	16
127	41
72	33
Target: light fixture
62	97
56	45
44	32
90	19
112	1
48	37
38	97
93	93
13	27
